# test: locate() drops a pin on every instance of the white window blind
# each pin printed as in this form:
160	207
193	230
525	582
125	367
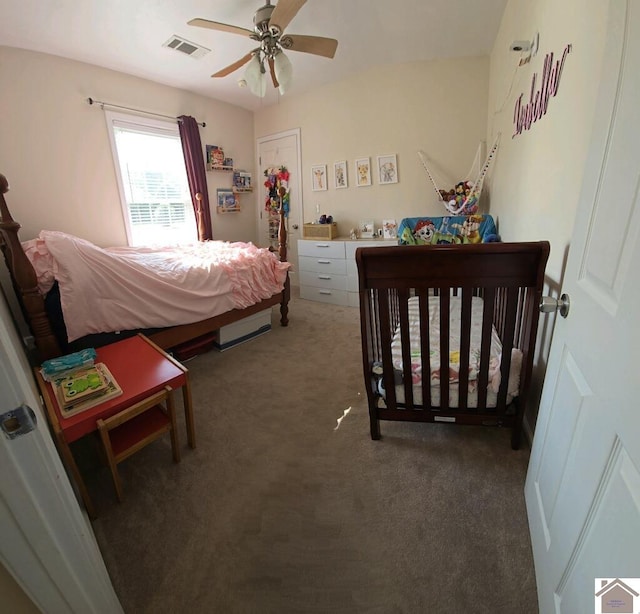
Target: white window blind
153	181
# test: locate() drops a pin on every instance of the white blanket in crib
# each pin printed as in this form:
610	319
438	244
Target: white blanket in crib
495	355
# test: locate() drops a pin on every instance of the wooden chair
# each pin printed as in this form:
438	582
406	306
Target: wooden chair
137	426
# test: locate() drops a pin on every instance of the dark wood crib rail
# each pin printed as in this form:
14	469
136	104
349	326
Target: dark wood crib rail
25	285
507	276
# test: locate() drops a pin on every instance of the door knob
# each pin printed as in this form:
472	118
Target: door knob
549	305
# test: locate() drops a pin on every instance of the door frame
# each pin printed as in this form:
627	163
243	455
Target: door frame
297	196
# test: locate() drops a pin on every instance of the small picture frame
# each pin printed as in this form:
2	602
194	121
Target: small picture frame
319	178
389	229
363	172
387	169
227	201
366	229
340	175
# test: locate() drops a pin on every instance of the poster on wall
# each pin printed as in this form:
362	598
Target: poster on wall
363	172
319	177
340	175
387	169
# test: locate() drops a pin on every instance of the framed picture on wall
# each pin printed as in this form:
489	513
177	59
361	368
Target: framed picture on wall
387	169
340	175
363	172
319	177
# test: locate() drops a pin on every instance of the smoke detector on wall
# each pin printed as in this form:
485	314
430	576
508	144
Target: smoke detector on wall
187	47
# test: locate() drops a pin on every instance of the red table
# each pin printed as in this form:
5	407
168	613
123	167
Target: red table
141	368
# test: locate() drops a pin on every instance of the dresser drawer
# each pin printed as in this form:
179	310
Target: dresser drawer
324	295
353	283
323	280
321	249
322	265
350	247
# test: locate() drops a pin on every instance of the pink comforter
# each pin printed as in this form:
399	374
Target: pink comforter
126	288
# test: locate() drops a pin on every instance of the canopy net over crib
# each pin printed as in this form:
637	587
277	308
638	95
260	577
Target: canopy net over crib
464	197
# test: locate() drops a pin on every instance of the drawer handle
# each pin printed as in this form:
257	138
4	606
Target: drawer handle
324	276
322	245
324	292
324	261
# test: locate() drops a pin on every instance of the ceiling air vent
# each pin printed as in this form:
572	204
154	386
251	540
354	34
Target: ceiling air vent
186	47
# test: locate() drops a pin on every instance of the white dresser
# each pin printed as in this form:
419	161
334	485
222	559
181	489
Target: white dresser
327	269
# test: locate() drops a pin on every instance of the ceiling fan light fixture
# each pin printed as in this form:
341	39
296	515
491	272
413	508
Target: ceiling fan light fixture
284	71
255	77
269	24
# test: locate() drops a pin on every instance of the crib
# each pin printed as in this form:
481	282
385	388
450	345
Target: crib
472	367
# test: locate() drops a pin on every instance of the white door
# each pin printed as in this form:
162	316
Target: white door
46	542
583	483
282	149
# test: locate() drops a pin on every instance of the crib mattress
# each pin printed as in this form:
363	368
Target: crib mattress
495	356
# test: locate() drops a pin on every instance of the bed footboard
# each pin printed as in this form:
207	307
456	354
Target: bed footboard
448	332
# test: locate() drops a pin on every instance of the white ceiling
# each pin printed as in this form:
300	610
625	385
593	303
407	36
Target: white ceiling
127	36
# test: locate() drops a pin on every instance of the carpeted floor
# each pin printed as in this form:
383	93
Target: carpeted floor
280	510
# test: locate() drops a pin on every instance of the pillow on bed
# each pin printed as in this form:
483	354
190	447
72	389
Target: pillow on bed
42	262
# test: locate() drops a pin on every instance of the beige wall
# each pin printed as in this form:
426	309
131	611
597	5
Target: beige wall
55	152
535	183
536	179
439	107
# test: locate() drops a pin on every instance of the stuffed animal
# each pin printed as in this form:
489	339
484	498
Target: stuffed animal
459	200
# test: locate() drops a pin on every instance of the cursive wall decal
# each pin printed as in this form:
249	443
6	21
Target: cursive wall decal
524	115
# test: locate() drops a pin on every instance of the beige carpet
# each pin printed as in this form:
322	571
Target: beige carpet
278	510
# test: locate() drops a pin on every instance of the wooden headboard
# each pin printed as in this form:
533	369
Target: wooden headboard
24	279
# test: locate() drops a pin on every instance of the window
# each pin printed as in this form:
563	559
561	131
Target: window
153	184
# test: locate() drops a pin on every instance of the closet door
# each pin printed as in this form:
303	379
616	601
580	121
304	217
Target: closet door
282	149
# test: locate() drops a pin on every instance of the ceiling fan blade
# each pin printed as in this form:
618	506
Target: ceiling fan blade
273	73
233	67
318	45
284	12
221	27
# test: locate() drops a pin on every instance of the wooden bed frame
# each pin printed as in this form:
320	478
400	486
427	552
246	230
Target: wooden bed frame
24	281
508	276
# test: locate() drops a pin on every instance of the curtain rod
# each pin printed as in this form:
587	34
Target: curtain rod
117	106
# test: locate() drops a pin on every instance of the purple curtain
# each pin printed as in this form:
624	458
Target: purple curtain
196	174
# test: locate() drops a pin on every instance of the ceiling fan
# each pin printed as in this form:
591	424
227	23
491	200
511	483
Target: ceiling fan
269	24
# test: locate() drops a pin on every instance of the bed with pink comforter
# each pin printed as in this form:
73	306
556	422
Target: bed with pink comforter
126	288
70	289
